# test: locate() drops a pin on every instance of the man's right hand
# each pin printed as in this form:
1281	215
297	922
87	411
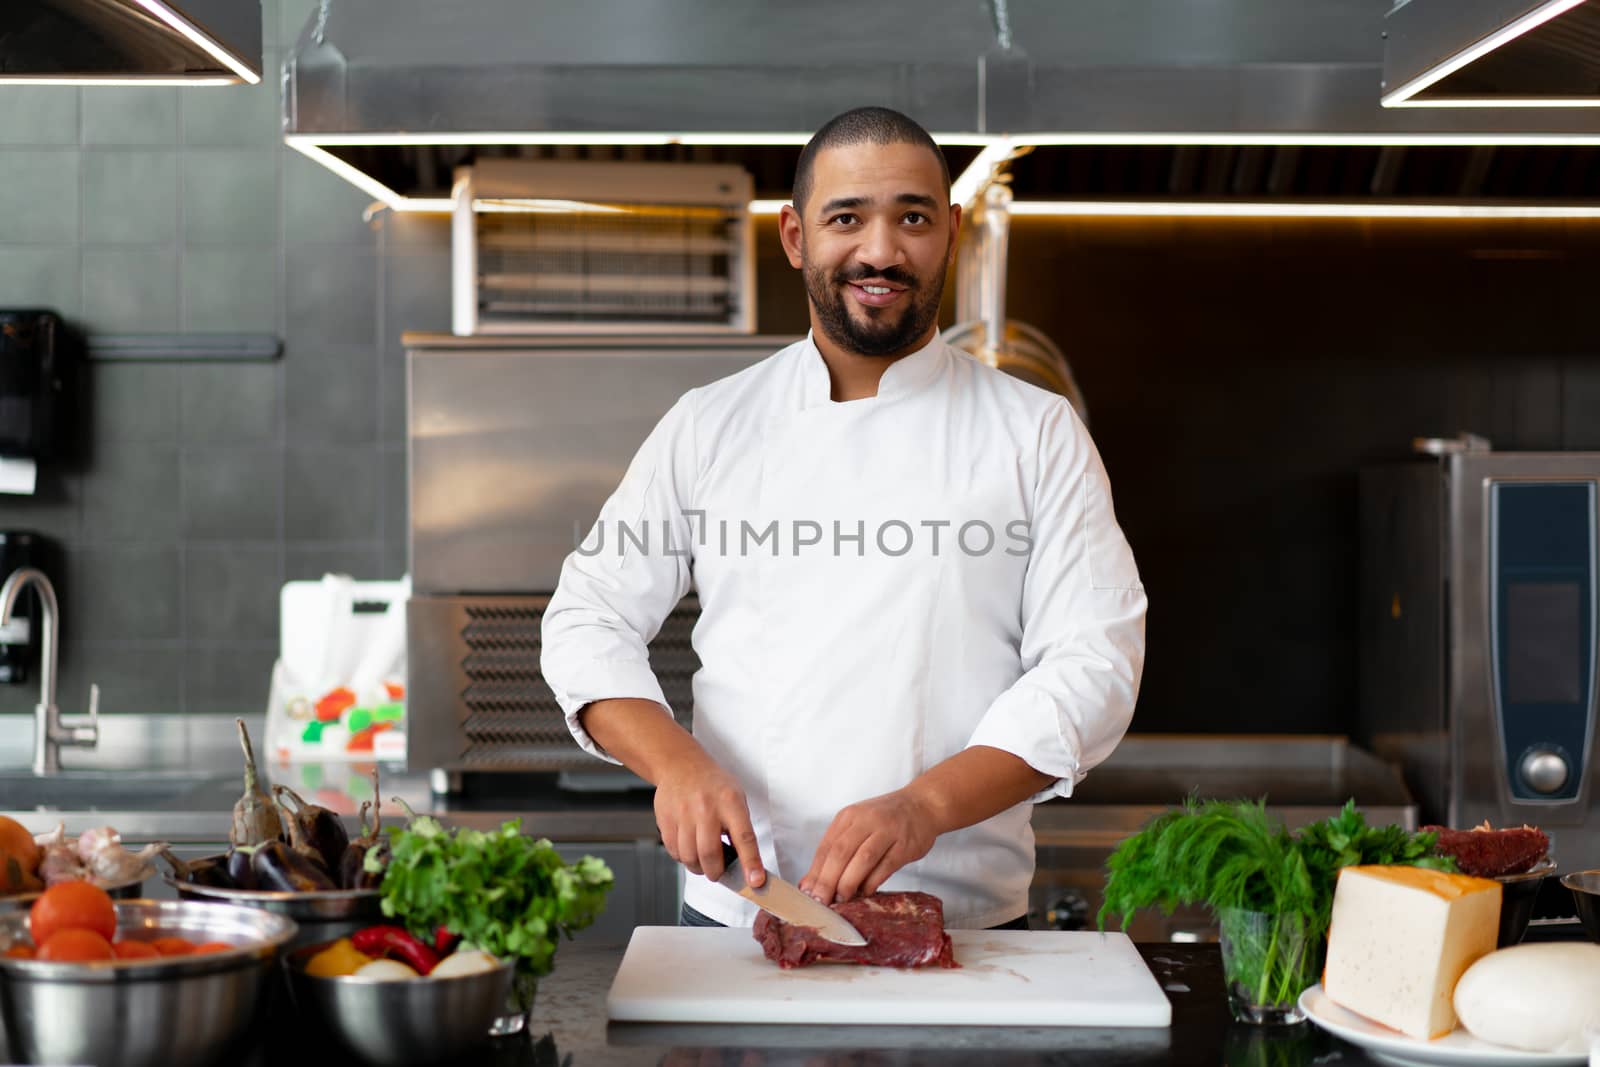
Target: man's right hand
696	803
696	800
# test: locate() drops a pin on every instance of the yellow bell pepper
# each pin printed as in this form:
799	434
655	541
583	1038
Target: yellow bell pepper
337	960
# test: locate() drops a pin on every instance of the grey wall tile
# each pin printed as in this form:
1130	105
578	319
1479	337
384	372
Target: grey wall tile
230	402
306	563
130	289
133	403
39	114
392	391
39	195
122	592
409	232
292	17
131	493
133	681
228	681
132	114
235	114
230	289
231	593
230	195
320	206
332	394
130	195
42	276
331	294
395	504
331	494
231	494
396	559
55	509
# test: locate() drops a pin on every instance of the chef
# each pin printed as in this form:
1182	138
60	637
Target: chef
918	614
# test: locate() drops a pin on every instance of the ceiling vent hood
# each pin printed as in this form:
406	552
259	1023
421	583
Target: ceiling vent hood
393	95
1492	53
142	42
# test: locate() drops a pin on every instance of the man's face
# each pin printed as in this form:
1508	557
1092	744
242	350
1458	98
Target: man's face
874	243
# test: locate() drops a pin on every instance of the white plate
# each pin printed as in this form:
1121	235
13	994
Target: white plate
1389	1046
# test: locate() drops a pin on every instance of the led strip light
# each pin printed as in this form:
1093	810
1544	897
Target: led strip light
964	187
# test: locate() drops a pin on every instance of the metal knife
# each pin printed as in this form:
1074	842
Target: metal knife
787	902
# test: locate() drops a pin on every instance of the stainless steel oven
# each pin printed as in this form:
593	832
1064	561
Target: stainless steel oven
514	443
1478	637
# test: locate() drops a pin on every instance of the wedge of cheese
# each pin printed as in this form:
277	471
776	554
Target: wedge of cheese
1400	939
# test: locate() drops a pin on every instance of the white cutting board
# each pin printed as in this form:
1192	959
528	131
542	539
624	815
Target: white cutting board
1006	978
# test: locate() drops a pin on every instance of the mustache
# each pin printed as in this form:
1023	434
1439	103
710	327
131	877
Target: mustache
897	275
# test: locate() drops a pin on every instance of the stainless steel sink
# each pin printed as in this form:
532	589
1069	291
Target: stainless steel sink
96	790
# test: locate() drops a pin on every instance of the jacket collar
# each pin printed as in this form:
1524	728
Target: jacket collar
902	377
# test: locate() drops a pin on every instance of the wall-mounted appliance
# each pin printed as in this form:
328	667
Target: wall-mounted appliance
40	362
564	247
514	445
1478	635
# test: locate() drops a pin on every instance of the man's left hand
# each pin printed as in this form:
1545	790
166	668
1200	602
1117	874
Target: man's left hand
867	842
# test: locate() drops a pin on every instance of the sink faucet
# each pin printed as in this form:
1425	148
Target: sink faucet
50	732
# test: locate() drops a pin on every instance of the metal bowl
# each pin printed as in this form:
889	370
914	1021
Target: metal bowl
322	916
1517	895
422	1020
118	891
166	1012
1585	887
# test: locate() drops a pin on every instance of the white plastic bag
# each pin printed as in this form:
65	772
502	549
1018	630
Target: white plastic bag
338	688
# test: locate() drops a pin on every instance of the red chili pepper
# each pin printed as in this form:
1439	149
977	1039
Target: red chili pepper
444	942
395	943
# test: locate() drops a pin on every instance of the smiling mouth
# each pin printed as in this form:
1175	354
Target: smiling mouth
873	295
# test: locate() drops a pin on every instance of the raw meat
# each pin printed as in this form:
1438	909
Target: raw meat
902	930
1490	853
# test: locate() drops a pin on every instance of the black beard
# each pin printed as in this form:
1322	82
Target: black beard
877	337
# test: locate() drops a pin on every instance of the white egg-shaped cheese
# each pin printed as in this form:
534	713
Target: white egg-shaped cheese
1538	997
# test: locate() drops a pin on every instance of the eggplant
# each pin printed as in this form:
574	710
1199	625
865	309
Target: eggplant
319	827
255	817
278	867
238	863
352	870
206	872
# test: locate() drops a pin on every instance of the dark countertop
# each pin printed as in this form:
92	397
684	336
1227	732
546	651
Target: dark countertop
569	1029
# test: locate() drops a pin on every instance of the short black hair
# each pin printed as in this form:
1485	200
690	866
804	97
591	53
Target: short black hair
878	125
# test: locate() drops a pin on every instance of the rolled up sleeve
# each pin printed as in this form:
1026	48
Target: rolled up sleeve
618	587
1083	615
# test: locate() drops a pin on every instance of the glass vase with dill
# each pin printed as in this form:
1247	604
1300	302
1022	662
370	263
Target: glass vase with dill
1271	890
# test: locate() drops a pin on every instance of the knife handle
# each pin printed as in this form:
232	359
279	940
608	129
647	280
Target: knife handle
730	855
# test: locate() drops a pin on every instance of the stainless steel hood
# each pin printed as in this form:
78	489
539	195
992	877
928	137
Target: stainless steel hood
393	94
183	42
1492	53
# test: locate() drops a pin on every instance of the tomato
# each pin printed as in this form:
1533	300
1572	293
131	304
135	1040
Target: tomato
19	952
72	906
134	950
212	946
173	946
76	945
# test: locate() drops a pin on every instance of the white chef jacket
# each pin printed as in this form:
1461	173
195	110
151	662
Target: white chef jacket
858	625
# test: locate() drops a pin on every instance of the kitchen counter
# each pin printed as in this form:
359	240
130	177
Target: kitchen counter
569	1029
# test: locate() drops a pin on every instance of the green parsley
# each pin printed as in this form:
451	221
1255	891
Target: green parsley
501	891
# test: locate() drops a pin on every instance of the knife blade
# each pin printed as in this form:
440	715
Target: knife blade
786	901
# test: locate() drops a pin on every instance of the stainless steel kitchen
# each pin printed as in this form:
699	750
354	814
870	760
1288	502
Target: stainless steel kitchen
722	532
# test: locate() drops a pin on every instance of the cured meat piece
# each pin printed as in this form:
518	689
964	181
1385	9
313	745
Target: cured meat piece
1490	853
902	930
